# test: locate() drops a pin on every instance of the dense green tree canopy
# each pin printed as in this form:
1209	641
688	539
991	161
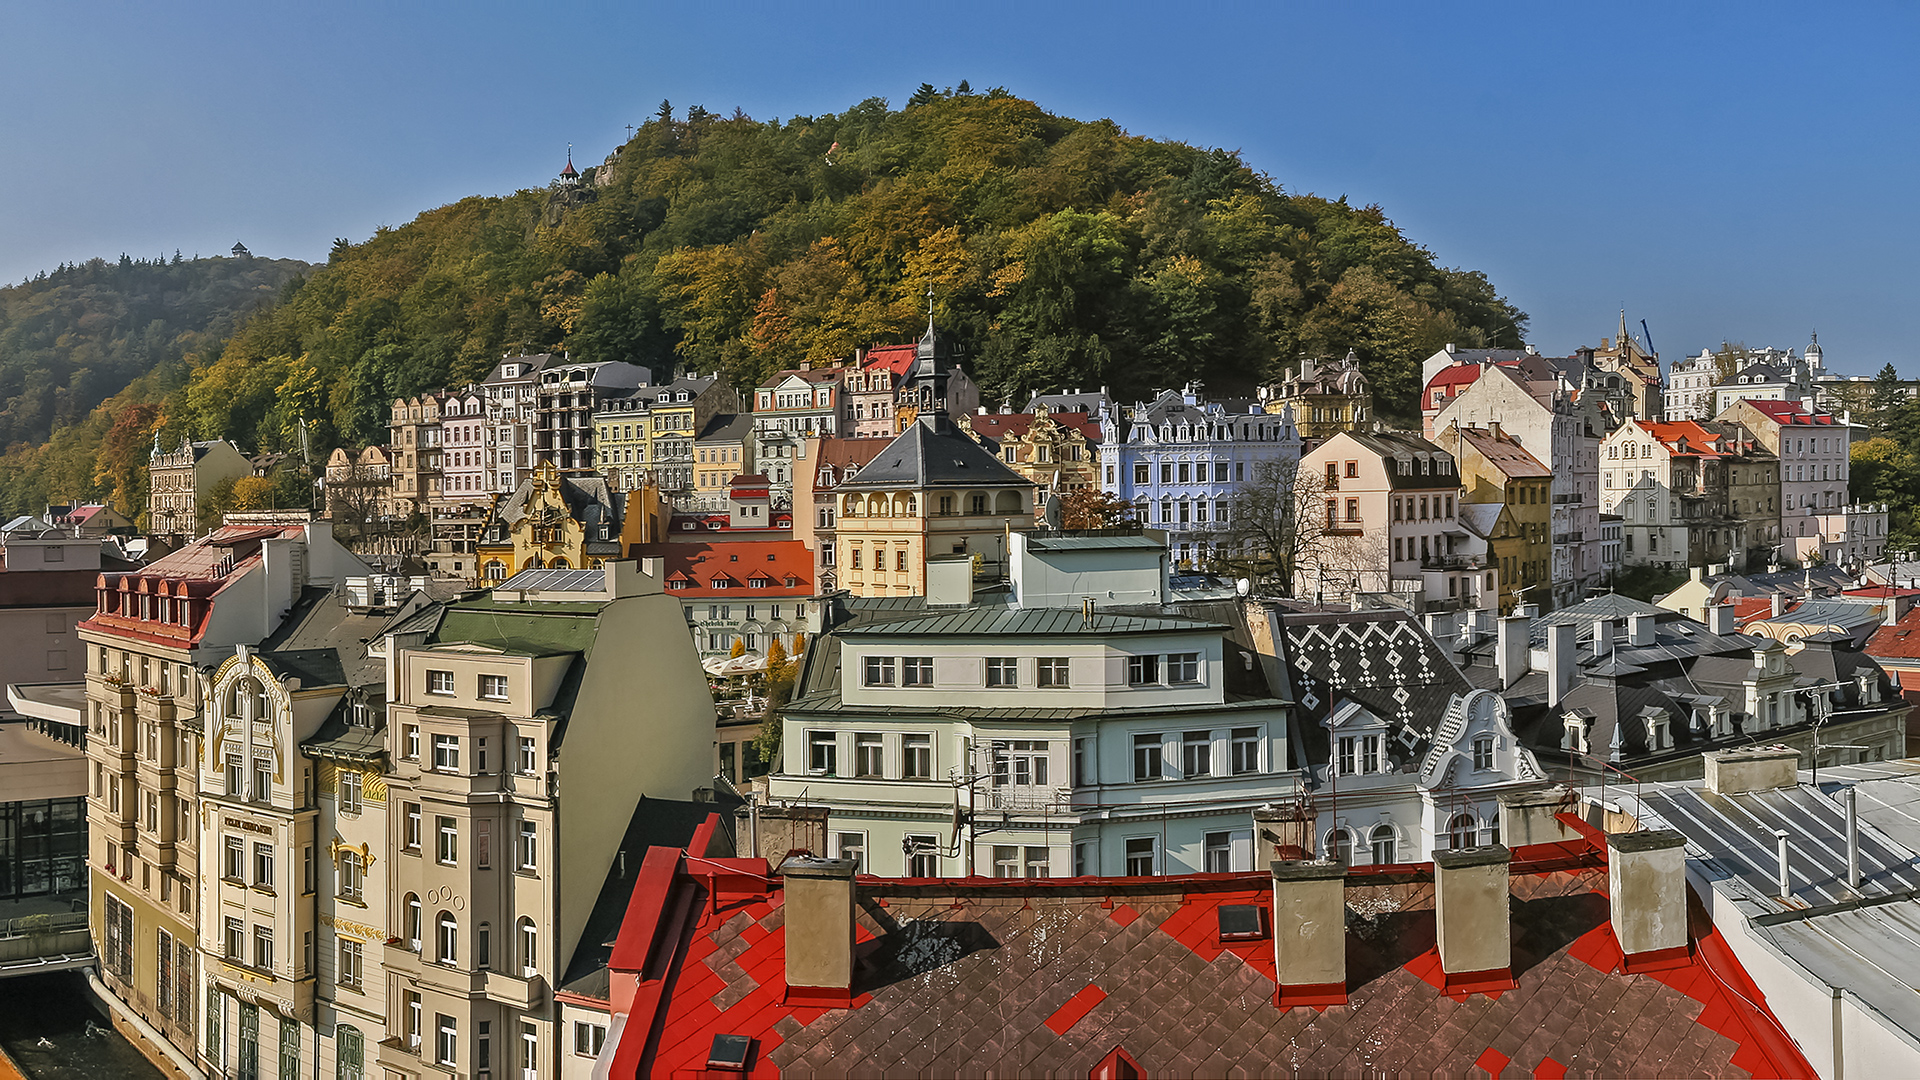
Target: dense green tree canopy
1058	252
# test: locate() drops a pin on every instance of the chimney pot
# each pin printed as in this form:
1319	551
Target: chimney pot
1309	933
1647	890
1470	899
819	905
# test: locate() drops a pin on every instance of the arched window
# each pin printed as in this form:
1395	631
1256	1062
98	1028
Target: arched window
348	1053
412	922
1340	845
449	941
529	946
495	570
560	564
1462	832
1386	847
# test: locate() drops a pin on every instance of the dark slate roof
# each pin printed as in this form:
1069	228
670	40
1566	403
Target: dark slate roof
997	621
324	642
934	453
1382	660
588	499
1396	445
727	427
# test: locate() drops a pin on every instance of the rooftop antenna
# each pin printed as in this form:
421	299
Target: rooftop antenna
929	302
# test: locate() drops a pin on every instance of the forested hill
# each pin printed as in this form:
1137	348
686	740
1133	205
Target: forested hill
71	338
1060	253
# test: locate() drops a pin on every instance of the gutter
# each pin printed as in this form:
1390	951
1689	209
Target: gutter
152	1035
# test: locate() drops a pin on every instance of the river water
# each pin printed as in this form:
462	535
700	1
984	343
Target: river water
55	1029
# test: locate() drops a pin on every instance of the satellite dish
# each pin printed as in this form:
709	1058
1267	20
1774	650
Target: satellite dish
1243	586
1051	512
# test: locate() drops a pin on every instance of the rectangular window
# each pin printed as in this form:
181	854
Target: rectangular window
1083	769
1052	671
851	845
1347	758
446	753
1370	754
235	867
263	947
349	791
483	843
588	1038
879	671
1146	757
1183	667
916	671
411	836
1142	856
822	747
1246	750
1003	671
918	763
439	682
493	687
350	961
1219	853
447	1039
263	865
262	779
923	855
1143	670
1141	476
1196	754
529	845
236	940
410	742
868	754
448	851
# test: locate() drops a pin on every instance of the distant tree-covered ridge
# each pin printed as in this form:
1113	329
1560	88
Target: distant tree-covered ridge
1058	252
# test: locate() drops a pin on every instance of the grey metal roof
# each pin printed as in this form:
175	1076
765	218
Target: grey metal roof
1044	622
1041	541
556	581
1888	793
1737	833
830	701
934	453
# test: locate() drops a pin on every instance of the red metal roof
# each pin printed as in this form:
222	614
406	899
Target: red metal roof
1790	412
896	359
1057	976
1700	440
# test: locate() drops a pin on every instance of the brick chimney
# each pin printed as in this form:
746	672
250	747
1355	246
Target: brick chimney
1309	933
1470	890
819	912
1647	890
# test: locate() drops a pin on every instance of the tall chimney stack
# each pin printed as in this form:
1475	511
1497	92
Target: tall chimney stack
819	911
1513	652
1720	617
1560	661
1647	890
1470	890
1309	933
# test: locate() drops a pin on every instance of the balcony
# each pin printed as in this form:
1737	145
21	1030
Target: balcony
1452	562
525	993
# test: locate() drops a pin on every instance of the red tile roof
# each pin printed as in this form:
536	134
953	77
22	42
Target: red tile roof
693	569
1700	440
840	453
1057	977
1901	641
1015	425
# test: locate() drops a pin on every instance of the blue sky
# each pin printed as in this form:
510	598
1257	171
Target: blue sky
1725	171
